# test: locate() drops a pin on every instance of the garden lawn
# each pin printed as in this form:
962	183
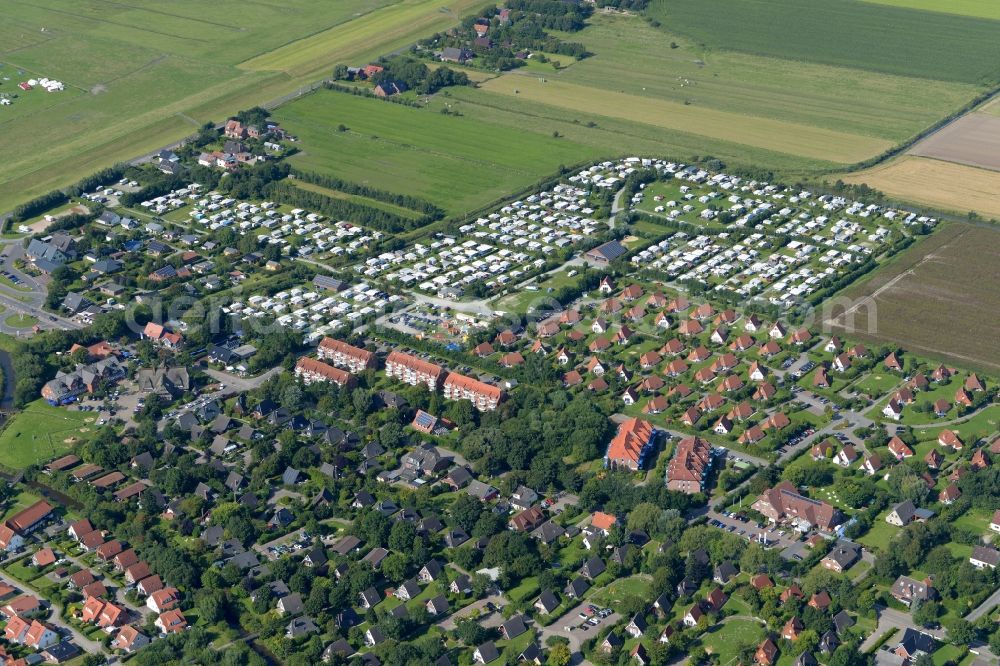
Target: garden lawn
879	536
877	383
974	520
949	653
615	592
726	639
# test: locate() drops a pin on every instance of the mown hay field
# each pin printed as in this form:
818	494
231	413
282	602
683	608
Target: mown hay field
667	66
811	142
943	185
936	299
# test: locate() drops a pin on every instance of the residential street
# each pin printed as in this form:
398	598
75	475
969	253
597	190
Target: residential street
29	302
982	609
233	384
889	618
448	624
567	626
119	590
55	618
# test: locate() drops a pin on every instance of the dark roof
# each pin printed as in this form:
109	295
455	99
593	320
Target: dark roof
292	603
725	571
338	647
917	641
842	621
577	587
513	627
62	651
488	651
548	600
806	659
593	567
608	251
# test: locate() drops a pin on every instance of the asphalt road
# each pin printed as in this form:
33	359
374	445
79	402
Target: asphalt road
29	302
55	619
982	609
567	626
890	618
234	384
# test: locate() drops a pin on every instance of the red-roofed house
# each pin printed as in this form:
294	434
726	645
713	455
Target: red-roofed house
631	445
171	622
163	600
689	466
311	370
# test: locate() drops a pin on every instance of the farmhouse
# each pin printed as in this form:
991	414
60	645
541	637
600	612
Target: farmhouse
389	88
602	255
457	55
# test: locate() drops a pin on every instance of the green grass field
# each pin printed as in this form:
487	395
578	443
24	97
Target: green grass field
614	135
143	74
880	534
876	383
845	33
355	198
21	501
20	320
794	116
458	163
979	8
41	432
725	640
620	589
799	93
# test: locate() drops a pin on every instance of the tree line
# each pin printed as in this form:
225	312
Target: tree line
342	209
402	200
